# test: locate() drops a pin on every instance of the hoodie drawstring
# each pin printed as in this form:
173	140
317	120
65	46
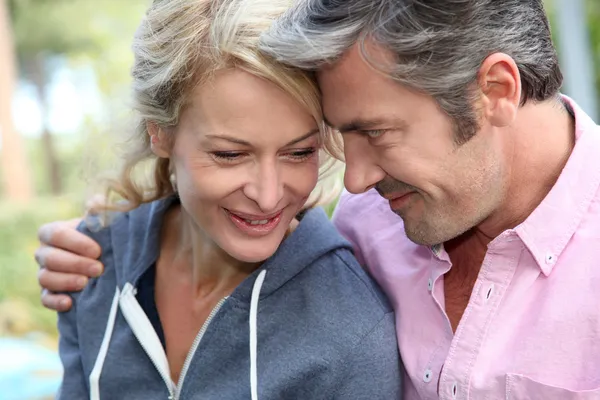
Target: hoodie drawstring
99	364
97	370
253	337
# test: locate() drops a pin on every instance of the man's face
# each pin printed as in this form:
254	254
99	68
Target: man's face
401	143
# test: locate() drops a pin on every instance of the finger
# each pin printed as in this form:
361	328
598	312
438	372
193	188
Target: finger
56	302
61	282
73	223
62	234
58	260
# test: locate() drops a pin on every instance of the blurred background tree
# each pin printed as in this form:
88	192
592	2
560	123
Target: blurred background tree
41	42
37	47
593	23
16	173
49	32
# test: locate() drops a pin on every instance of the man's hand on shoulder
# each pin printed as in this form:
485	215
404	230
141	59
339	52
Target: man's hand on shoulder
67	258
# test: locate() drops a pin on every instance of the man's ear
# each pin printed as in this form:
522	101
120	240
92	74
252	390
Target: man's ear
159	142
500	84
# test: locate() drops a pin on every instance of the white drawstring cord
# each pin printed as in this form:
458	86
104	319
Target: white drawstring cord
253	337
97	370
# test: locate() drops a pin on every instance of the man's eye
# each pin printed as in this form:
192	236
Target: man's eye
374	134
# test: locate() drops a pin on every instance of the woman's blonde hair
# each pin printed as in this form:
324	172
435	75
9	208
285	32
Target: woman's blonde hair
181	44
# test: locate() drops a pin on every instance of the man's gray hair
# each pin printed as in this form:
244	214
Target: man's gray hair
439	44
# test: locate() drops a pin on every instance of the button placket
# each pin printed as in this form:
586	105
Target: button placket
495	275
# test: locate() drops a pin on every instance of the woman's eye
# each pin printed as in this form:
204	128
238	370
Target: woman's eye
227	156
301	154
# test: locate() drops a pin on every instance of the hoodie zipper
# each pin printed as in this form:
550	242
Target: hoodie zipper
148	339
190	355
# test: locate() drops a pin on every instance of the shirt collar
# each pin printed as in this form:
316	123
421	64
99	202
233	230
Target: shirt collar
551	225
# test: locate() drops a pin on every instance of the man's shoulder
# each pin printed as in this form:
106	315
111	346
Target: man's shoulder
366	213
376	233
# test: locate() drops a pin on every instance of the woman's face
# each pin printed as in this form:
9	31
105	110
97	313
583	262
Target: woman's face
246	159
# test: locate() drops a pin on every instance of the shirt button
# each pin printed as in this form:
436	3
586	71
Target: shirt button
427	376
430	284
550	259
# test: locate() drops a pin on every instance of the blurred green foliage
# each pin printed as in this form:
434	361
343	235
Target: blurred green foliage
593	13
20	310
81	33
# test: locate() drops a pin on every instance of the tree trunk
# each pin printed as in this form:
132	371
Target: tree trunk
37	72
16	173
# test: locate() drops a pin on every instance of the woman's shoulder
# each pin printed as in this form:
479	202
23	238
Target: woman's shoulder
348	284
130	240
320	263
128	225
316	279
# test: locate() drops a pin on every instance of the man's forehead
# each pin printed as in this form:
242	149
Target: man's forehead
364	54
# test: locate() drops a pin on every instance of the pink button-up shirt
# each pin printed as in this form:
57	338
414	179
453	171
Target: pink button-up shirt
531	329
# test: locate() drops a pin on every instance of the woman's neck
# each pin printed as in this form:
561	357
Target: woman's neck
193	257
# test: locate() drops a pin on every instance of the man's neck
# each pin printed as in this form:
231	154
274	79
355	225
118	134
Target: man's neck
538	146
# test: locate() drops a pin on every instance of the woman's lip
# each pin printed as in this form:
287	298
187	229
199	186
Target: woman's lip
256	230
254	217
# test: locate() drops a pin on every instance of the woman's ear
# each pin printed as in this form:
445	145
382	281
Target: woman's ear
159	142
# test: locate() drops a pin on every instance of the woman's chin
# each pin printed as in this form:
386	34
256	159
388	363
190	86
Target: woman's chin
250	249
254	252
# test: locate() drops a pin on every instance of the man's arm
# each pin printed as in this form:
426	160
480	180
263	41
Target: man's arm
67	258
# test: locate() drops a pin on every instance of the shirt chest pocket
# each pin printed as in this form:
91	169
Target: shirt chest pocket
519	387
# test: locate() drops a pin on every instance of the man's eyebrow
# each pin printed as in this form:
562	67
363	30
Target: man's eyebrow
245	143
359	124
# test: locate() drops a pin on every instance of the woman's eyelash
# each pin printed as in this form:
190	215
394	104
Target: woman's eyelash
302	154
233	155
227	155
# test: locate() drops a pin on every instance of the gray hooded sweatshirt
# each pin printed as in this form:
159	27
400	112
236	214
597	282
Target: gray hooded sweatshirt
308	324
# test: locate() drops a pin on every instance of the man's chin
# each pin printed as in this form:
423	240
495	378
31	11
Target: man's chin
423	236
421	240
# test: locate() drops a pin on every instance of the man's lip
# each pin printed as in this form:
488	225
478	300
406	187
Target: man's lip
254	217
396	196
